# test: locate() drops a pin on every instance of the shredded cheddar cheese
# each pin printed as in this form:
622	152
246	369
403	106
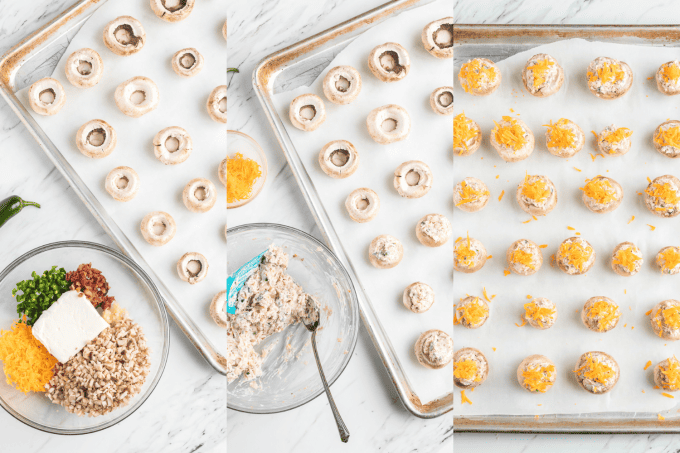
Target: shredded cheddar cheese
668	260
600	190
535	189
609	72
660	417
464	253
241	176
559	136
670	73
511	135
605	313
575	254
462	132
670	316
618	135
648	364
631	219
524	258
664	193
539	70
471	314
537	378
626	258
468	194
668	137
464	399
500	197
27	363
671	373
538	314
474	73
466	370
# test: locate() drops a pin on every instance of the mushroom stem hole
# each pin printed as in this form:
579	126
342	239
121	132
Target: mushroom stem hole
84	67
194	267
125	35
222	105
339	157
201	193
389	60
307	112
389	125
122	182
47	96
445	99
443	36
138	97
158	228
96	137
174	5
412	178
171	144
187	61
362	204
342	84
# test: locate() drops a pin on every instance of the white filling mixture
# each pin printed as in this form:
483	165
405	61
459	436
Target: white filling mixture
269	301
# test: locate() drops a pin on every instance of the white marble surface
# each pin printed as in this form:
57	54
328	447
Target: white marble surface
186	412
365	396
566	12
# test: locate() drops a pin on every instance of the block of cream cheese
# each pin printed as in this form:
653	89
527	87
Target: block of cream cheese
68	325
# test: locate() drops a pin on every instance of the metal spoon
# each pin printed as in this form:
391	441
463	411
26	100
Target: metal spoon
311	322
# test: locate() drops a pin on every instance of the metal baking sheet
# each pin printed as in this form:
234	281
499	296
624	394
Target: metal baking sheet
36	57
498	42
299	65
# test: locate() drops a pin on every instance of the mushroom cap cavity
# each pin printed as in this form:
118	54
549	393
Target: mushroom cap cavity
187	62
362	205
307	112
404	183
339	159
96	139
342	85
441	101
137	86
389	62
437	38
46	96
178	10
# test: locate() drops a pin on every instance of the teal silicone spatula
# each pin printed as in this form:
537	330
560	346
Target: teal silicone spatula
236	281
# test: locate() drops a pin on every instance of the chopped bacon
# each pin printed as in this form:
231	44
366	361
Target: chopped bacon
92	283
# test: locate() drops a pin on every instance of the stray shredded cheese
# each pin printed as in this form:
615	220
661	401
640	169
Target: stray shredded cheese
464	399
652	227
500	197
631	219
648	364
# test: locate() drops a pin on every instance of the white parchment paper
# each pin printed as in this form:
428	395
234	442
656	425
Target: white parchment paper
632	343
430	142
182	103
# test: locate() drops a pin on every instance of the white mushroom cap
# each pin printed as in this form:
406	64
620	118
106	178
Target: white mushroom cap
303	103
84	68
434	349
421	187
158	228
390	112
224	30
100	129
218	309
222	172
187	62
389	62
42	107
184	145
441	101
185	271
362	205
342	85
125	91
122	183
191	198
172	13
437	37
336	169
217	95
130	32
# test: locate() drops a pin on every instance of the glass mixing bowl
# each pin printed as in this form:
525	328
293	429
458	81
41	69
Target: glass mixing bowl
290	377
133	290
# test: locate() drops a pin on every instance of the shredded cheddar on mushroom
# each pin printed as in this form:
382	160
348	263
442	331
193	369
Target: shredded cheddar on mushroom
559	135
511	136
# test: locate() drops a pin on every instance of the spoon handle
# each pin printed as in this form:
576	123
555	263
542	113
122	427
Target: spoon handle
342	428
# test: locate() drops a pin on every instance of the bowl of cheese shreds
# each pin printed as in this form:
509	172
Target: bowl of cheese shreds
246	169
84	337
